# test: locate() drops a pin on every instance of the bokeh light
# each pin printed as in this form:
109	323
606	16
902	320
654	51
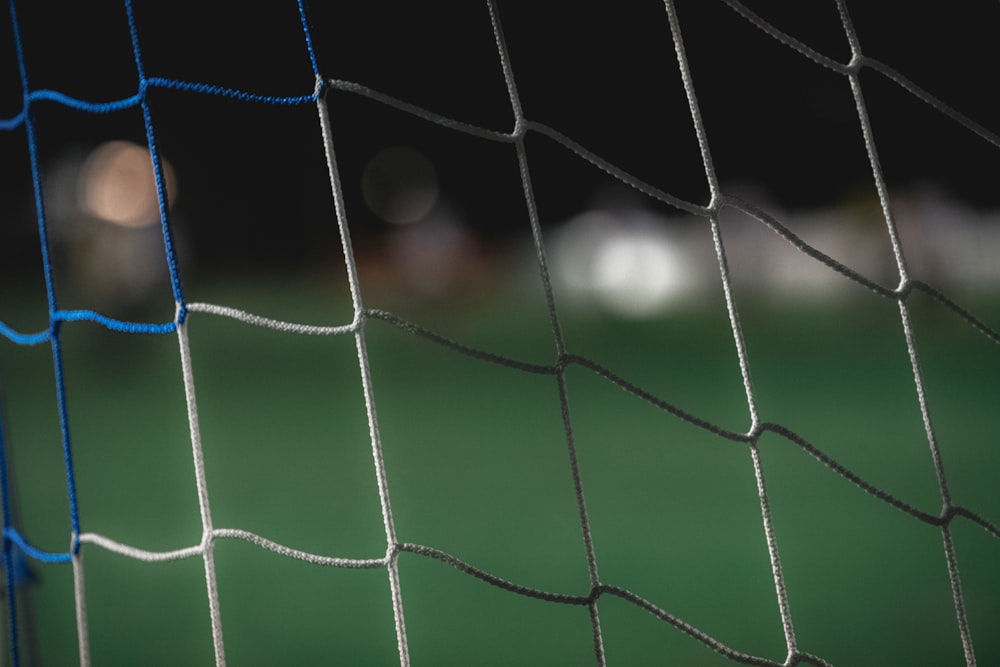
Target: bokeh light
400	185
117	184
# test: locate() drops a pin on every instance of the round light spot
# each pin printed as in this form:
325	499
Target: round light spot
117	184
400	185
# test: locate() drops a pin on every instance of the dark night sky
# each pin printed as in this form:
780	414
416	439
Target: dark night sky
252	176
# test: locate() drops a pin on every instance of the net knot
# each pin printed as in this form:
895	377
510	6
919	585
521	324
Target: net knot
563	362
717	201
948	513
180	313
520	128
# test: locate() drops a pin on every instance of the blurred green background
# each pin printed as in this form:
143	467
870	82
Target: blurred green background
476	453
477	466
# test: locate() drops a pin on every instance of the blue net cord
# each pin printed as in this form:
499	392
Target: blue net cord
16	548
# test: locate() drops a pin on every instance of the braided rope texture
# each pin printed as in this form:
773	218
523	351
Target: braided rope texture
19	549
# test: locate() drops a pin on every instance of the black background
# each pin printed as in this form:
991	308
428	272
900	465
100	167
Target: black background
253	180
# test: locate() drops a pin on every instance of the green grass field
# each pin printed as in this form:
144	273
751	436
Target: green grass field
478	467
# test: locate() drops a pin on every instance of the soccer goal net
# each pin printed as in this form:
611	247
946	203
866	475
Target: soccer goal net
501	333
